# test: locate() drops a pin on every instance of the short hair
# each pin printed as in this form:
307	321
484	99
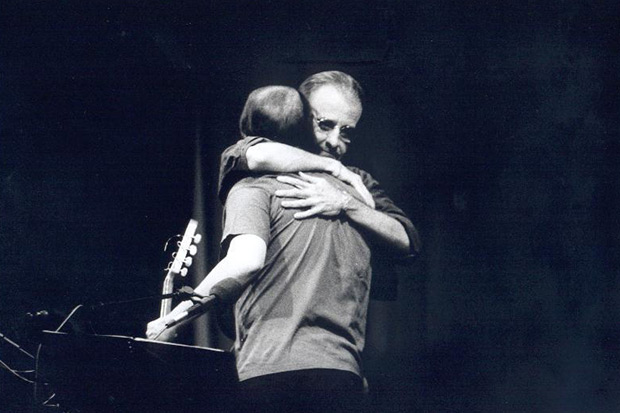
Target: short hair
340	80
274	112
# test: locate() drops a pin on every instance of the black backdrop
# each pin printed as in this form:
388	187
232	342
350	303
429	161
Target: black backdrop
493	124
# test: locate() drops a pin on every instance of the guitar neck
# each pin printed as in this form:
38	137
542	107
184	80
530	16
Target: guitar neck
176	266
166	303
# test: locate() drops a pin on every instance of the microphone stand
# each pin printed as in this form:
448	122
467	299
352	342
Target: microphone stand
183	293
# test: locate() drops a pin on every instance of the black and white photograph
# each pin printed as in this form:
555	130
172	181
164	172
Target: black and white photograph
381	206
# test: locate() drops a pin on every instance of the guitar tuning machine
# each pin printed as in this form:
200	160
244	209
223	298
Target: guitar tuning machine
188	261
192	249
183	272
197	238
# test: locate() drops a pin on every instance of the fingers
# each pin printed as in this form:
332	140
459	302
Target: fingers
152	333
161	333
318	195
299	183
363	191
310	178
289	193
299	203
347	176
368	200
155	328
291	181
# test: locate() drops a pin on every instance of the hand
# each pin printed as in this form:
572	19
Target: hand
353	179
156	330
316	194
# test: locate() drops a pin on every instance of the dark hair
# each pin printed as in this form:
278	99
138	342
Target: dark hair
340	80
274	112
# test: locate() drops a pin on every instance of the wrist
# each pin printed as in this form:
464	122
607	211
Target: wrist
182	306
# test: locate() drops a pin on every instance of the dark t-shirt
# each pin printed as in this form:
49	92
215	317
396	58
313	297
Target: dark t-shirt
307	306
234	166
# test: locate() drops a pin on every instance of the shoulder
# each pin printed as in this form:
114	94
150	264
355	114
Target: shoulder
235	153
256	186
243	144
258	182
233	164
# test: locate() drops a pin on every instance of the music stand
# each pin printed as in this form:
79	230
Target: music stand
102	373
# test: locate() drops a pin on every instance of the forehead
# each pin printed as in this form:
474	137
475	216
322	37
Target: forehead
333	104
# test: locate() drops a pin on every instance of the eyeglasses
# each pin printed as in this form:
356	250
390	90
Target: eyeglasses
326	125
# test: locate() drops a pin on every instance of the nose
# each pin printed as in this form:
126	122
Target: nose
333	138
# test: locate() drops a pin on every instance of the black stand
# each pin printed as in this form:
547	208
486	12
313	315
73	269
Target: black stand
182	293
93	373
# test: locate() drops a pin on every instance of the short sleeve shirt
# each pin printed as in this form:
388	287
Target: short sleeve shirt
233	167
307	307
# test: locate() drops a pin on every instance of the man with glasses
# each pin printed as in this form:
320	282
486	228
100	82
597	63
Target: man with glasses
333	109
301	316
335	106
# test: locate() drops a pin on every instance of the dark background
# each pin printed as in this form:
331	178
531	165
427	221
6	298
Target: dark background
493	124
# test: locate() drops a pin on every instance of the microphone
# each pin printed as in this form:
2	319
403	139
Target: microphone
226	291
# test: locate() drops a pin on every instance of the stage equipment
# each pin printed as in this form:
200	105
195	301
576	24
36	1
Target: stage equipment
104	373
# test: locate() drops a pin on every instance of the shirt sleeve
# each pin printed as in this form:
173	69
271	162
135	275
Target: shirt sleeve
234	164
384	204
247	211
385	274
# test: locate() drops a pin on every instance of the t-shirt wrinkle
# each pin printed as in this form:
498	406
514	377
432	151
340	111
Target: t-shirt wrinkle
233	167
297	315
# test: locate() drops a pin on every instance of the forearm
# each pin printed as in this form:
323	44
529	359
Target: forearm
230	267
227	268
246	255
380	225
278	157
317	197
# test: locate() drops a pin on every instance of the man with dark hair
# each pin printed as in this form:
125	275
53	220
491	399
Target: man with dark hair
275	111
304	353
300	321
272	110
334	102
257	154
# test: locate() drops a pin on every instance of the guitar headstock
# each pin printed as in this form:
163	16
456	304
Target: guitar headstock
182	260
186	249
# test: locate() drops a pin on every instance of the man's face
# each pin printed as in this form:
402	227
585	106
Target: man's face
334	115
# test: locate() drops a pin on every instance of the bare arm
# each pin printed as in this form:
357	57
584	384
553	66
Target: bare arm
322	198
378	223
246	255
278	157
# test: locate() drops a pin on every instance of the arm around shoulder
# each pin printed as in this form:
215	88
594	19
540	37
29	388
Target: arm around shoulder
279	157
282	158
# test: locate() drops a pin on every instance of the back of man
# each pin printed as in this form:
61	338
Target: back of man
306	309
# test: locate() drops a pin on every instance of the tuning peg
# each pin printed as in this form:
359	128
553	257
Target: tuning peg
188	261
192	249
197	238
183	272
